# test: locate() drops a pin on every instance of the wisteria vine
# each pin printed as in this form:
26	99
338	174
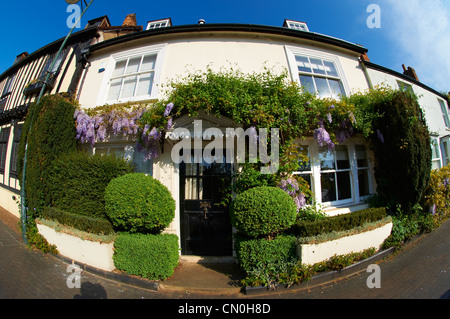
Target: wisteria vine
94	128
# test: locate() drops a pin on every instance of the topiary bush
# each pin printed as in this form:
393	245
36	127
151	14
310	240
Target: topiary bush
263	211
49	129
138	203
150	256
395	125
78	181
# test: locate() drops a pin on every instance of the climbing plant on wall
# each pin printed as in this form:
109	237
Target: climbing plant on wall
271	100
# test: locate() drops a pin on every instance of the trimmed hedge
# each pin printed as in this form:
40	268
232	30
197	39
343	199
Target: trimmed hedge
84	223
263	211
337	223
254	253
139	203
150	256
78	181
52	134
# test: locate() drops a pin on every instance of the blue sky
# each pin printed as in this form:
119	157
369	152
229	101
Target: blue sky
413	32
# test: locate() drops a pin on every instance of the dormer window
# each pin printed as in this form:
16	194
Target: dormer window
159	24
296	25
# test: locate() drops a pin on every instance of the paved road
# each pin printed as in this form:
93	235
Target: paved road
421	270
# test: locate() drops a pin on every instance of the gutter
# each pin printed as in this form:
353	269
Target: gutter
220	27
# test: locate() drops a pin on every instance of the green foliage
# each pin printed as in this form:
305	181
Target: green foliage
437	197
407	225
263	211
310	213
150	256
396	127
88	224
77	182
52	134
139	203
259	100
306	228
293	272
253	253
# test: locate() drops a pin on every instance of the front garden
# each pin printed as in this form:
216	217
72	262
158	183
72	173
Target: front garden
273	214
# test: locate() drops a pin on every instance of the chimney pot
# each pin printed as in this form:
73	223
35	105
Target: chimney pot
130	20
410	72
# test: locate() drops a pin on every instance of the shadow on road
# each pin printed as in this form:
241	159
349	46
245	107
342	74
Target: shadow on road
91	291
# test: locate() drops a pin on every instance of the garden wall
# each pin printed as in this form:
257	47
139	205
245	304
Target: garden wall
95	254
314	253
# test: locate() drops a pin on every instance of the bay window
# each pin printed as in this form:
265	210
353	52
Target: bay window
338	176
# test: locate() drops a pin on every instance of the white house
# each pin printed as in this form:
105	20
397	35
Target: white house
134	67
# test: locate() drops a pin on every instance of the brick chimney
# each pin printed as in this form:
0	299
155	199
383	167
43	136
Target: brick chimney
20	57
365	57
130	20
410	72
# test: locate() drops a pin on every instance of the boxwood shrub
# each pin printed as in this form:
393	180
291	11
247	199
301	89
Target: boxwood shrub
139	203
146	255
254	253
336	223
88	224
78	181
263	211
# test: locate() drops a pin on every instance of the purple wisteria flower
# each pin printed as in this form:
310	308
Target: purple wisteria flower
150	142
291	187
329	118
380	136
323	137
168	109
169	123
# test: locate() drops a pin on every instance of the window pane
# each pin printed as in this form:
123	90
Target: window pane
148	63
191	169
361	157
133	65
114	89
326	158
191	188
444	113
363	180
308	84
120	68
303	64
304	162
317	66
322	87
330	68
342	158
344	185
328	187
336	88
145	84
129	84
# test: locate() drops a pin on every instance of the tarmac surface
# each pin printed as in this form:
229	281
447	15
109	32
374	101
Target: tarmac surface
421	270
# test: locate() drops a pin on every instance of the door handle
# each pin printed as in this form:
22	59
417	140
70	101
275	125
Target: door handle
205	206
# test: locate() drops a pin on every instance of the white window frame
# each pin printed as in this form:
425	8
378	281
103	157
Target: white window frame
297	25
163	23
292	52
445	112
436	150
158	50
315	173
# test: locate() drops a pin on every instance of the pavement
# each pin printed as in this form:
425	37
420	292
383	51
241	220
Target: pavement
420	271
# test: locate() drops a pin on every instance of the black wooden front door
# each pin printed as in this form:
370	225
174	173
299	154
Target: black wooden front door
205	221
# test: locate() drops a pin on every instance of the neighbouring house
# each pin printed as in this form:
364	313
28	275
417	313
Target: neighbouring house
103	64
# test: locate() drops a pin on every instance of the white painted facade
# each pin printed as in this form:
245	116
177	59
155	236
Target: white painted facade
157	57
